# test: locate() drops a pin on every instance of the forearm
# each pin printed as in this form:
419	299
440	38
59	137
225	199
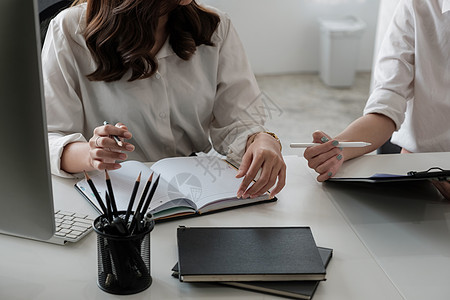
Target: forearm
373	128
75	158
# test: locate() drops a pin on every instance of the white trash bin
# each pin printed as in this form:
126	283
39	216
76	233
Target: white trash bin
339	48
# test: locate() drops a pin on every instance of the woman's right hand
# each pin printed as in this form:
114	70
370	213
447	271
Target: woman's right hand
104	150
325	159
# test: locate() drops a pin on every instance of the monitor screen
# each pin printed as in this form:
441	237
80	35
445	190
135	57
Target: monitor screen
25	181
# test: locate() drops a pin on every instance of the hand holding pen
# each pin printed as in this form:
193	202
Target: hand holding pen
107	146
326	157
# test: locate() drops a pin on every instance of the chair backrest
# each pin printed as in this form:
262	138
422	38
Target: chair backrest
389	148
49	9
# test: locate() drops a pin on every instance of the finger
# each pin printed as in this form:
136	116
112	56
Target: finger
321	158
105	155
108	142
245	164
320	137
101	165
270	182
312	152
330	163
128	146
255	165
124	127
121	125
281	182
329	170
107	130
263	180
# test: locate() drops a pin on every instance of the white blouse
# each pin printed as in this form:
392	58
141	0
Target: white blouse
187	106
412	76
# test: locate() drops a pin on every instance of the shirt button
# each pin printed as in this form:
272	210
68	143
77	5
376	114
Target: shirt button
158	76
162	115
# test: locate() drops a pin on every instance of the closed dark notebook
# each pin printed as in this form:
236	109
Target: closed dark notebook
292	289
220	254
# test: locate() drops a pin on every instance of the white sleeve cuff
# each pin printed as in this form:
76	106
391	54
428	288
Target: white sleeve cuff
387	103
237	148
57	142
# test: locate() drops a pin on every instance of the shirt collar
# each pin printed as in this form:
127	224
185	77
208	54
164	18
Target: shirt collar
166	50
445	6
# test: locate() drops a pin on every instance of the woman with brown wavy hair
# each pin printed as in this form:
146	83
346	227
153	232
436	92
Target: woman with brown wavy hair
174	71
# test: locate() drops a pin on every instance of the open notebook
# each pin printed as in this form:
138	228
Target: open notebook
187	186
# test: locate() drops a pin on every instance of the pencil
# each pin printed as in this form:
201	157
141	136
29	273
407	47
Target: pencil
108	207
136	216
133	196
115	137
111	194
341	144
149	198
97	196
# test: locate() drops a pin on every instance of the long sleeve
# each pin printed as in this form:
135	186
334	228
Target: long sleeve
64	108
238	109
394	69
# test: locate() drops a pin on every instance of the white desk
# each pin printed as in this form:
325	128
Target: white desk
36	270
406	227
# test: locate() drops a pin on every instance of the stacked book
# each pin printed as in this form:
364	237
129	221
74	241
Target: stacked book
278	260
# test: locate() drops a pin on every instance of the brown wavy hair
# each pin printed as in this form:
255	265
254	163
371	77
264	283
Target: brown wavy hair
121	33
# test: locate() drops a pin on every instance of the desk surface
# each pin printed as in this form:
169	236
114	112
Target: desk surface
37	270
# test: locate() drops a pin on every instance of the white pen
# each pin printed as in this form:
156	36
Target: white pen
341	144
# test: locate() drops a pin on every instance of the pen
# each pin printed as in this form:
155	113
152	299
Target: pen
341	144
115	137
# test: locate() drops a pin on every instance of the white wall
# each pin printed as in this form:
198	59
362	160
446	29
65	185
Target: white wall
282	36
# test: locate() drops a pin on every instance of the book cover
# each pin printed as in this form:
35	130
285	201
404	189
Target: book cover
395	167
187	186
292	289
219	254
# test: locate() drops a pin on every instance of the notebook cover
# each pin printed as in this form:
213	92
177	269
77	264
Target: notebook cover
293	289
248	254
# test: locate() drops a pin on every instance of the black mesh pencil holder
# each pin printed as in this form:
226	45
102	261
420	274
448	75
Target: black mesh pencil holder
123	258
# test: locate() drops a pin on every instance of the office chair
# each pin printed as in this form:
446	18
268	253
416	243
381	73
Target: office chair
388	148
47	10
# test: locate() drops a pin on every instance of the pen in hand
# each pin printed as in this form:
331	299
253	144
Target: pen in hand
341	144
115	137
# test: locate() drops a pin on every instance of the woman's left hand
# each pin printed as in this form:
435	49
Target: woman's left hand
263	153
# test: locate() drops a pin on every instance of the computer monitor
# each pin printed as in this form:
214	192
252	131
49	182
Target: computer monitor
26	203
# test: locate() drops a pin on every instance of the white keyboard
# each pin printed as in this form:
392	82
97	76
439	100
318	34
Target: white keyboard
70	227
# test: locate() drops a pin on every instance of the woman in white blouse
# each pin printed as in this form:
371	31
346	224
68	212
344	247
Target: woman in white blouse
174	72
410	100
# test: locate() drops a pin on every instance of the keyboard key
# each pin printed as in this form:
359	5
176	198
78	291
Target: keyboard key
80	216
71	226
78	228
66	213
